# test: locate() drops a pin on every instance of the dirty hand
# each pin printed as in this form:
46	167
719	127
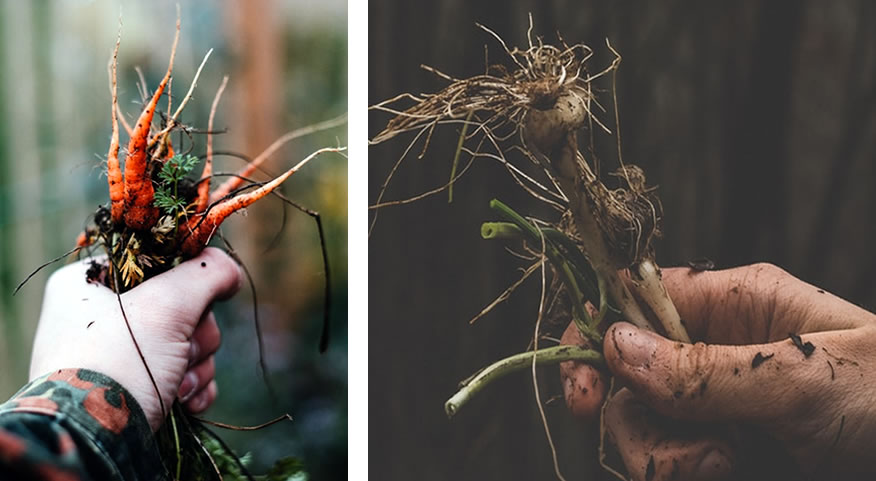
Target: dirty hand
81	326
749	399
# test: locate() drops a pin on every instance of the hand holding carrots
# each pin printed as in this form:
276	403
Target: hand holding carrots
81	326
752	399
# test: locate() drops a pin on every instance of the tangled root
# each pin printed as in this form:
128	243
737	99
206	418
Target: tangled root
541	99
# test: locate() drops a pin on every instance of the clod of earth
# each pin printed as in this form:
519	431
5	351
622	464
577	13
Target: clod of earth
806	348
759	359
701	264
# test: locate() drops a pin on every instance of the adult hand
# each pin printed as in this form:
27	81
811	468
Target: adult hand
81	326
693	411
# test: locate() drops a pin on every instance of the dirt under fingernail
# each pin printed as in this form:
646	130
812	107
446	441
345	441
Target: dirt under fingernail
635	347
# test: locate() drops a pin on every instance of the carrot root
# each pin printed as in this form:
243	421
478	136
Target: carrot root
201	228
234	182
113	169
204	185
139	192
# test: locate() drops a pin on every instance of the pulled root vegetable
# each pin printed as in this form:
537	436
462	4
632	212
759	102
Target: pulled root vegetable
156	216
536	106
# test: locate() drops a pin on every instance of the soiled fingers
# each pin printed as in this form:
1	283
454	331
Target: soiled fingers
584	386
655	448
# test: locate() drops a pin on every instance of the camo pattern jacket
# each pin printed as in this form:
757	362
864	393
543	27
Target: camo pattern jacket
76	424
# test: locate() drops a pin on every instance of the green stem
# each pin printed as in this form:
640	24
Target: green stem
500	230
570	253
517	362
176	443
579	313
456	156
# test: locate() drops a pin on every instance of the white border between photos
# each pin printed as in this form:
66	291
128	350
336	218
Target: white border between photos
357	211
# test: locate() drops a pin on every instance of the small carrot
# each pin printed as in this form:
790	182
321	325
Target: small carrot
114	171
85	238
238	179
204	185
140	213
201	228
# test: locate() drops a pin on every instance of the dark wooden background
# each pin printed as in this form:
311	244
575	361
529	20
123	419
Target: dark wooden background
756	120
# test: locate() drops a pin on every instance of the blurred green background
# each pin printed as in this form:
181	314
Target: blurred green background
287	64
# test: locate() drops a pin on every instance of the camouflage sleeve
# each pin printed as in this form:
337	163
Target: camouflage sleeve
76	424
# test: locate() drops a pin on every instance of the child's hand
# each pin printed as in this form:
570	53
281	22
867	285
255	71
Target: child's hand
81	326
696	410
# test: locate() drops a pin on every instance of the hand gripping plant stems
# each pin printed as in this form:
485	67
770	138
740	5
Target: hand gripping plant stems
157	217
601	248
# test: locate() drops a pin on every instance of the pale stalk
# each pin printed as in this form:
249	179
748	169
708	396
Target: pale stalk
517	362
570	175
649	286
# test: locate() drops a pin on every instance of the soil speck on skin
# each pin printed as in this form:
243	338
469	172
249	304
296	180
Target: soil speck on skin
821	291
89	324
840	360
735	290
93	274
203	264
735	371
806	348
832	373
759	359
679	346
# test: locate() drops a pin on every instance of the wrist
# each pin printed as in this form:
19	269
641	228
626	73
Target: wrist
97	410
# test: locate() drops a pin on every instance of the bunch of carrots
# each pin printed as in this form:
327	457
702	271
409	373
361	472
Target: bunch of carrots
156	218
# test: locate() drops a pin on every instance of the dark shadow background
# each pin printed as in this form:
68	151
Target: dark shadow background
755	119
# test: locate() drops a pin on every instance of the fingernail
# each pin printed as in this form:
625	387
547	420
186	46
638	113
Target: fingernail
199	403
636	347
187	387
714	465
194	350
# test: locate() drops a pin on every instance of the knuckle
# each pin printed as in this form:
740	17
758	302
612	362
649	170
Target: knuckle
769	271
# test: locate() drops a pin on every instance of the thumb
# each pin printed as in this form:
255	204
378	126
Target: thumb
757	382
195	284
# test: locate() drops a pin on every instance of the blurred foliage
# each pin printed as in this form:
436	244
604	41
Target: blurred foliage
54	134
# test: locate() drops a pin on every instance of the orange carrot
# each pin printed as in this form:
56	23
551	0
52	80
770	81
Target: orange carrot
204	185
201	228
234	182
168	148
85	238
114	171
140	213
